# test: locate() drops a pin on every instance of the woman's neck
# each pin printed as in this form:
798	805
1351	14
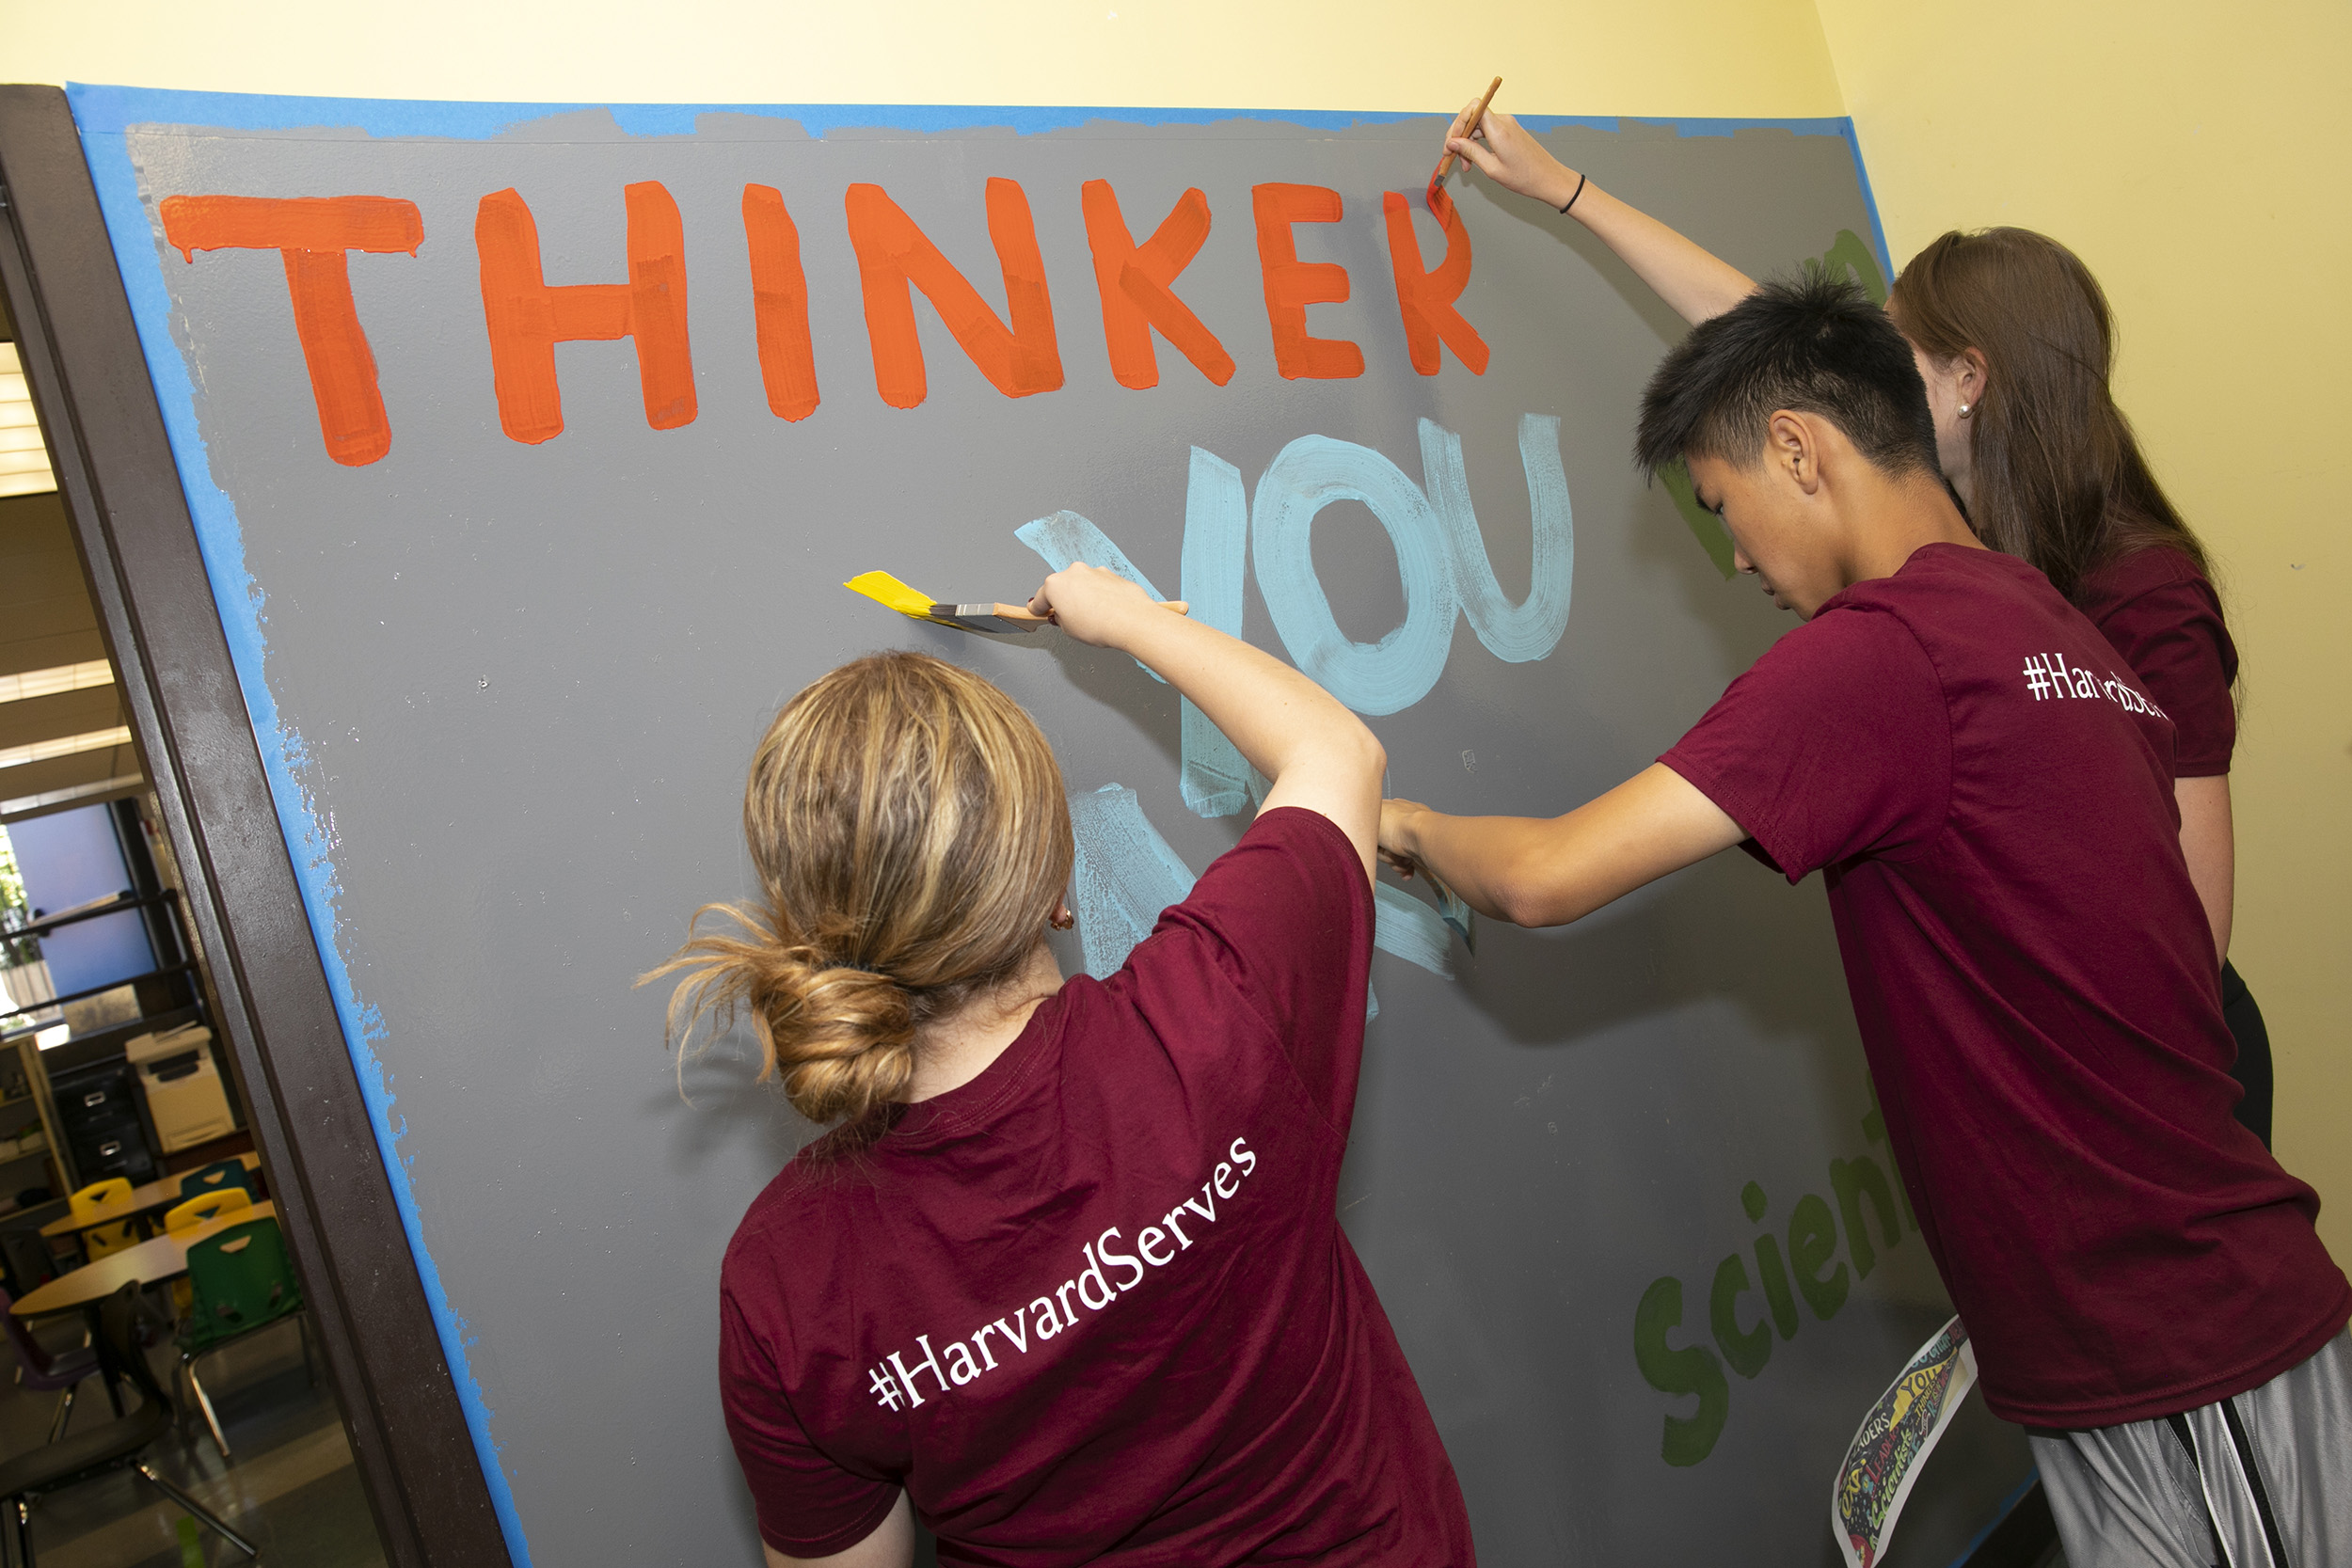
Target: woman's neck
951	1051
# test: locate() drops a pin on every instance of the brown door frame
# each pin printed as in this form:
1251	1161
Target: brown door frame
114	466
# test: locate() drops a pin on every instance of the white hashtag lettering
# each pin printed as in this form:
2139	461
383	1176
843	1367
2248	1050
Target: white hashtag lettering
886	1388
2037	677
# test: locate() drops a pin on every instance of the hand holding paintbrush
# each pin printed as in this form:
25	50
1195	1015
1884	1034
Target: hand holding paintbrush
1502	149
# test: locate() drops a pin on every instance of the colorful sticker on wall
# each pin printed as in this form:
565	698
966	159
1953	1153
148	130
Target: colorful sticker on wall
1896	1438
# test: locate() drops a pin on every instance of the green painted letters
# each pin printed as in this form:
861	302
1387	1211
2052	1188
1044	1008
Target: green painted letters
1745	1352
1813	1242
1692	1369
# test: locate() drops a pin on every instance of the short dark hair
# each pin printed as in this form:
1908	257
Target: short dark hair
1814	345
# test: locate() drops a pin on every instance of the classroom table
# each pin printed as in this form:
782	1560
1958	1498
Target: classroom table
163	1194
166	1256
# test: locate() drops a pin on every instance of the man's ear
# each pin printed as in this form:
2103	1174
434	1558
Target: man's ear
1793	447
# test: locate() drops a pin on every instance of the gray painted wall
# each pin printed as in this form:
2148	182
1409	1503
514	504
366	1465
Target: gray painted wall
519	685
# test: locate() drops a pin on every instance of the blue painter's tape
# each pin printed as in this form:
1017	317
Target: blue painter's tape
1869	203
240	598
2000	1513
102	110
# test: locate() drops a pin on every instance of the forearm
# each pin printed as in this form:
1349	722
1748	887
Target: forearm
2208	844
1532	871
1274	716
1695	284
1482	859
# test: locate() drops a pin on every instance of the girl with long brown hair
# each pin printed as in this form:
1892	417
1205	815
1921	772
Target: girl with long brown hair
2017	344
1065	1279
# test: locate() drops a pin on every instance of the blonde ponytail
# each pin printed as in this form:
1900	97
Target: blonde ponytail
908	823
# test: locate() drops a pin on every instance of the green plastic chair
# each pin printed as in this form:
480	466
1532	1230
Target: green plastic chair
219	1173
240	1282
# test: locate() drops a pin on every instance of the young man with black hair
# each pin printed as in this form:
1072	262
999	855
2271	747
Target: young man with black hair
1988	796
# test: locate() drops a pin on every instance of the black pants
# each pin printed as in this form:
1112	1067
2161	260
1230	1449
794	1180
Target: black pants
2252	1067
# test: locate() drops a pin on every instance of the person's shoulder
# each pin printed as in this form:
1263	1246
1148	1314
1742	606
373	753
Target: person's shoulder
1944	590
2119	579
1298	831
799	1204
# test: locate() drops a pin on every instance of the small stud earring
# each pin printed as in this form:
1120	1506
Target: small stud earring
1963	410
1061	919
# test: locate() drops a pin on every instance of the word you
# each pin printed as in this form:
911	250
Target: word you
893	1386
1019	353
1812	1234
2048	676
1125	872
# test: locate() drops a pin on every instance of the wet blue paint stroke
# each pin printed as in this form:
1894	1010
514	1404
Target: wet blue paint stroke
1064	537
1216	781
1521	633
1370	677
1405	925
1123	877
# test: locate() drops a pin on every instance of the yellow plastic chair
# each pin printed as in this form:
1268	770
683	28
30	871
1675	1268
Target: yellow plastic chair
196	1211
94	1202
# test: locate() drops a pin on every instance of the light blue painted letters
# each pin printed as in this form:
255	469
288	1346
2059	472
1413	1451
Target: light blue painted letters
1216	781
1377	677
1532	628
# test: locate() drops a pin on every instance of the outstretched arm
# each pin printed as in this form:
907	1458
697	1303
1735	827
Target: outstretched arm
1319	754
2208	844
1693	281
1532	871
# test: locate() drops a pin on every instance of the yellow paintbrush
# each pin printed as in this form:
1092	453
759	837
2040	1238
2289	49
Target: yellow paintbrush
884	589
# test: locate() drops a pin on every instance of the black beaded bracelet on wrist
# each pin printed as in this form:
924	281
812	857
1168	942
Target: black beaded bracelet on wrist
1580	191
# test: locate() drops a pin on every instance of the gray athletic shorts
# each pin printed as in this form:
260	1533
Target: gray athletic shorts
2262	1480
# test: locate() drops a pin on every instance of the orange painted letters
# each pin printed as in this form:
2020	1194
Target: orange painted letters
1134	282
1291	285
1425	300
787	366
894	258
526	317
314	235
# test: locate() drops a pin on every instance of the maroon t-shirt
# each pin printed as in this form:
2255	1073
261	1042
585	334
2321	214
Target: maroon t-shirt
1990	798
2165	619
1095	1306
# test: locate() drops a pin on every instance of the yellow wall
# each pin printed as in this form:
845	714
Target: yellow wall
2192	155
1695	57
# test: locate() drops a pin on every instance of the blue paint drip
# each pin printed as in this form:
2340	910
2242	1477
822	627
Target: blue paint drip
1124	876
1064	537
1516	633
1405	925
1215	779
240	599
1378	677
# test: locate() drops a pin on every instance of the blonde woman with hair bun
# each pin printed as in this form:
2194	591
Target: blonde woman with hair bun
1064	1278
